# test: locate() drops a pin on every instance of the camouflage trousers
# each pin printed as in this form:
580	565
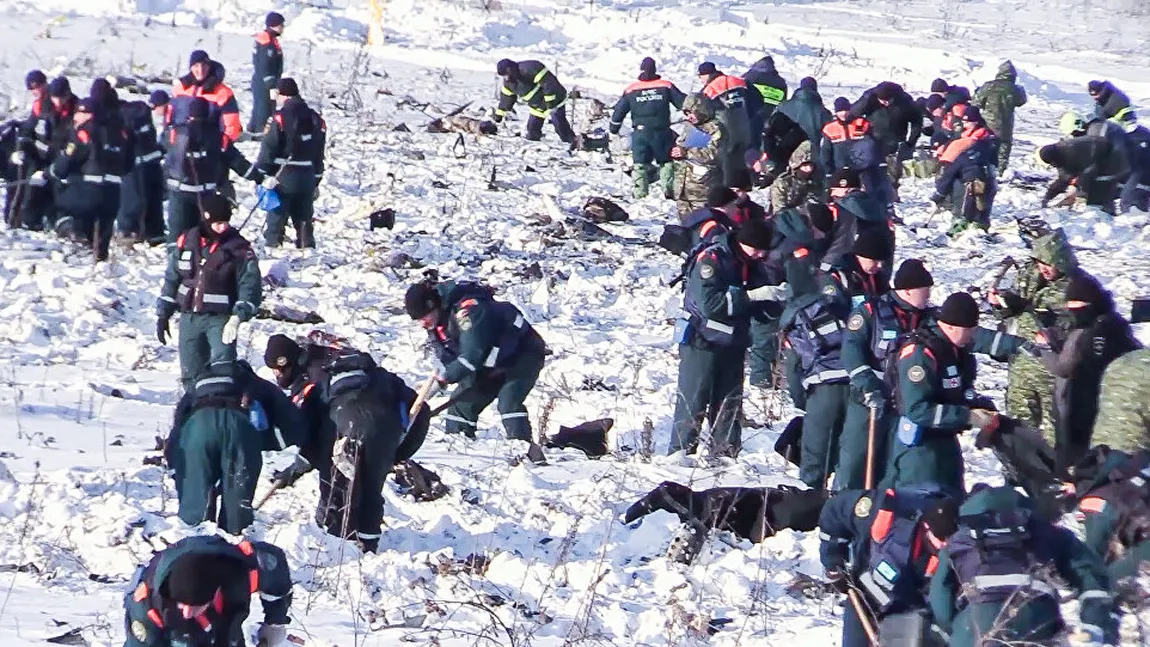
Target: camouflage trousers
1124	404
1004	146
1030	395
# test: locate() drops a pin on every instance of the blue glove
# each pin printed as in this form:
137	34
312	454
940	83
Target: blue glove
909	433
696	139
267	199
257	416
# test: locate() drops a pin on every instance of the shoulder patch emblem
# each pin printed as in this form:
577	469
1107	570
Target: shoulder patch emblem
829	290
856	322
139	631
863	507
462	319
916	373
706	270
71	148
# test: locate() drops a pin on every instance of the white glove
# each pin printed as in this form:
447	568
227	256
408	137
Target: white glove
17	158
768	293
38	179
270	183
1086	636
231	330
271	635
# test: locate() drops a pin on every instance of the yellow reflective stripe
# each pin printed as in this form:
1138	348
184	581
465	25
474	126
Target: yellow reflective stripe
538	84
771	95
506	91
501	113
542	114
549	97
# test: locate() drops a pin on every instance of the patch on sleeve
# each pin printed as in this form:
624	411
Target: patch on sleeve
463	320
916	373
706	270
863	507
829	290
71	148
856	322
139	631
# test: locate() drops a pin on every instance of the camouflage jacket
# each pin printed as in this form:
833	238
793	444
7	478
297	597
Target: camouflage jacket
999	98
789	190
1035	302
1124	404
699	171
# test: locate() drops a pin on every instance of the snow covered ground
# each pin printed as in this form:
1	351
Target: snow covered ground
86	389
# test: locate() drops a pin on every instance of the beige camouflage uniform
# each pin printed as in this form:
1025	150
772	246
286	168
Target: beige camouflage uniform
1124	405
700	170
1030	387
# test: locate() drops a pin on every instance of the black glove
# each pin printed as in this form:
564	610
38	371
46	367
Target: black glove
1032	349
292	473
614	130
905	151
838	580
162	329
497	118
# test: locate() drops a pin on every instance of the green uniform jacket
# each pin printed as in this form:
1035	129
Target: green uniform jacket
248	292
1123	420
920	384
476	329
298	164
1076	563
866	373
145	600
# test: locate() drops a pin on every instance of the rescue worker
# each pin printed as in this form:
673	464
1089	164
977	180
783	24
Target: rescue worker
997	100
989	587
698	154
1136	190
198	591
649	102
9	172
799	182
1098	335
731	99
895	118
1114	506
35	207
848	142
486	347
1123	420
1111	103
292	159
92	165
834	231
932	378
205	79
873	329
141	215
1037	302
197	161
714	334
884	544
217	447
814	325
368	431
213	281
764	79
545	97
271	413
867	212
267	69
968	175
800	117
1088	163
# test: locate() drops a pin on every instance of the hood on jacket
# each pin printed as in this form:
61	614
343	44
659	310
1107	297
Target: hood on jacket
765	64
700	106
1054	249
213	80
801	154
1006	72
